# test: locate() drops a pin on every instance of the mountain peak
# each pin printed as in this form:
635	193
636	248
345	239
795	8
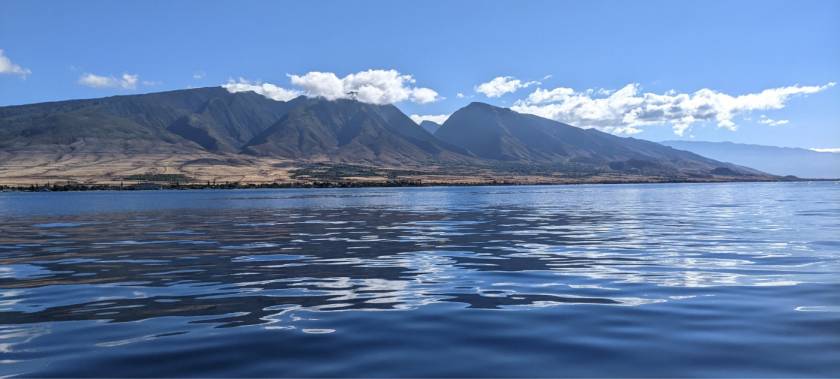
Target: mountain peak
480	105
350	131
500	134
429	126
212	120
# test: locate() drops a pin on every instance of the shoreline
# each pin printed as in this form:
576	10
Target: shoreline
153	186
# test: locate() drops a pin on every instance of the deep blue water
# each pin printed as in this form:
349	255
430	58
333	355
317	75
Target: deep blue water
699	280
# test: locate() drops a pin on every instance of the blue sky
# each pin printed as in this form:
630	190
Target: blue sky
786	54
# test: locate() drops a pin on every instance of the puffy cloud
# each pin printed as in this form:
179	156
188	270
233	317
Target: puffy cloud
371	86
769	121
424	95
627	130
826	149
9	67
126	81
268	90
540	95
96	81
625	110
501	85
323	84
436	118
460	95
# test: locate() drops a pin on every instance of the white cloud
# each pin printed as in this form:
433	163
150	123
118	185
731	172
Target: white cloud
459	95
268	90
424	95
540	95
626	110
826	149
436	118
96	81
126	81
501	85
769	121
323	84
627	130
371	86
9	67
198	75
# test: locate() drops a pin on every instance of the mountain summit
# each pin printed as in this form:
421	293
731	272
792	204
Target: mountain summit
353	132
501	134
248	137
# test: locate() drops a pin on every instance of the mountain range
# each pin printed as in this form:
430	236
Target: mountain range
212	127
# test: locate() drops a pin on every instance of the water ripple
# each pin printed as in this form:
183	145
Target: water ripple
548	268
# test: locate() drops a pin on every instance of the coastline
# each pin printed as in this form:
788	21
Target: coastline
158	186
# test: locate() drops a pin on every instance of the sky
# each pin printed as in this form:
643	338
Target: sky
760	72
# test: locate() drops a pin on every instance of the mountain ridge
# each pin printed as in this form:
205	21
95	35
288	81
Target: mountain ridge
218	131
166	121
502	134
349	131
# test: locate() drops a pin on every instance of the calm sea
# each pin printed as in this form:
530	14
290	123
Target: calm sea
700	280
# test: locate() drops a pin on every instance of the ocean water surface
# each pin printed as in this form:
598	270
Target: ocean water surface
700	280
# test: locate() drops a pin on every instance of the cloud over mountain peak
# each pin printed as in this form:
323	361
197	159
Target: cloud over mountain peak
370	86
